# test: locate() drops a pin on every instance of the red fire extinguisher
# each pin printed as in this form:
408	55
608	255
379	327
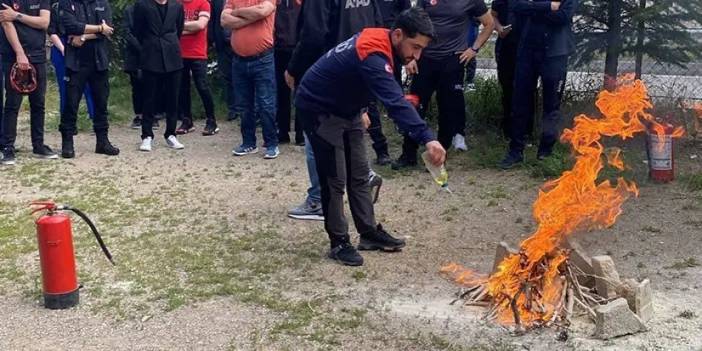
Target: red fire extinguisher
58	264
661	157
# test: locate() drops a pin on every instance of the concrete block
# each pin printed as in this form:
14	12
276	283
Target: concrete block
503	250
616	319
641	301
606	277
579	258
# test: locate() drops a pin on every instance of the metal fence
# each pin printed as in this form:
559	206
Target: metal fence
663	80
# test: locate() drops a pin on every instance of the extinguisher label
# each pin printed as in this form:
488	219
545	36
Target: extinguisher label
660	152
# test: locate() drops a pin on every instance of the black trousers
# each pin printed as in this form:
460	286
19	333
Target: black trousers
445	77
533	64
198	70
161	91
342	164
13	101
137	82
506	58
375	130
75	85
284	111
224	68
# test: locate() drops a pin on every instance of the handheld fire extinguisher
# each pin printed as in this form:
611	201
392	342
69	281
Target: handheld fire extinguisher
58	264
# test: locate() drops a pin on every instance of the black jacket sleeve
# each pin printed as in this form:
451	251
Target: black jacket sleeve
70	22
54	20
313	28
565	13
129	30
529	7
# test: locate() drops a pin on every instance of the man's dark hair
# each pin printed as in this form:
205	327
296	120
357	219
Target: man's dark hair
415	21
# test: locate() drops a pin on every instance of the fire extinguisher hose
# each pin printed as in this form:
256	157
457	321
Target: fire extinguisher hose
94	229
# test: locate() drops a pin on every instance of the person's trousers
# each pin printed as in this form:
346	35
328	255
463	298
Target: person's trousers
224	67
198	70
284	108
375	130
136	80
76	82
59	63
445	77
342	164
161	91
506	59
254	88
314	192
13	102
533	64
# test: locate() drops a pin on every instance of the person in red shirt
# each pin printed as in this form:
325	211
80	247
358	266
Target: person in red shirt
193	48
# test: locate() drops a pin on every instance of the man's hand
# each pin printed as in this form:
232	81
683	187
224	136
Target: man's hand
22	61
436	152
365	120
289	80
8	14
76	42
555	5
106	30
412	68
467	55
503	32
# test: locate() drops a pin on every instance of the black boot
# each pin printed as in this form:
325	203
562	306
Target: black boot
103	145
67	150
380	240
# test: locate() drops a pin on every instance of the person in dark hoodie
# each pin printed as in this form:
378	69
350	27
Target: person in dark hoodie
322	25
158	25
130	53
286	16
88	23
546	42
334	123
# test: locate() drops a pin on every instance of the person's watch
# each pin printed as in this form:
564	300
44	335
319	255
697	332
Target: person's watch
82	38
18	16
475	50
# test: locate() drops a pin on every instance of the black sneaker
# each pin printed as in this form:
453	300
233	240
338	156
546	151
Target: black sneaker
375	182
210	129
185	127
232	116
104	147
346	254
404	162
283	138
45	152
136	123
383	160
67	150
380	240
299	140
511	160
542	154
8	156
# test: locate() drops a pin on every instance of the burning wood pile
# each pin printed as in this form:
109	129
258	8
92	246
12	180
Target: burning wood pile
549	277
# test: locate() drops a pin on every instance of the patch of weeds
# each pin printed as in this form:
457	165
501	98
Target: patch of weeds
497	193
692	182
492	203
651	229
689	262
552	166
359	275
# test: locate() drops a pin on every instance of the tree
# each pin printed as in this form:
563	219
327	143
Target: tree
656	29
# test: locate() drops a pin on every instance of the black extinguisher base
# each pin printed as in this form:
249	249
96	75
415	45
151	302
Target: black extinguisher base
61	301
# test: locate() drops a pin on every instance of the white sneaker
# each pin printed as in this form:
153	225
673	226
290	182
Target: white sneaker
146	144
173	143
459	142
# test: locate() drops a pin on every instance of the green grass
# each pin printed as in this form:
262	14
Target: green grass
692	182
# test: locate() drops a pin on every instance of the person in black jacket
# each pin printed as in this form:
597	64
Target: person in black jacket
286	16
131	51
545	44
88	23
219	37
22	42
158	25
322	25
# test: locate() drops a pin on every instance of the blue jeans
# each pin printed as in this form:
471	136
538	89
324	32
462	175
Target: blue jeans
59	63
255	96
314	193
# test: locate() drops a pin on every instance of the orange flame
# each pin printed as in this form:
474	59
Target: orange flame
574	202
